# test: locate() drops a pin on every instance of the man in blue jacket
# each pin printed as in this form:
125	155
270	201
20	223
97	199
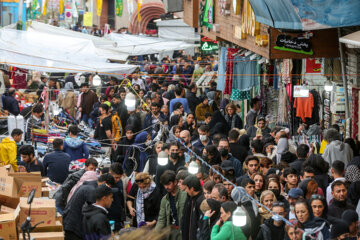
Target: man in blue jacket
74	146
153	117
56	164
10	103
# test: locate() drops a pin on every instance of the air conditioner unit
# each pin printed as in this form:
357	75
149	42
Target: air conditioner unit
173	5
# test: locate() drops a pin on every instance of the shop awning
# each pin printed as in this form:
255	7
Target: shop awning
54	53
307	15
353	39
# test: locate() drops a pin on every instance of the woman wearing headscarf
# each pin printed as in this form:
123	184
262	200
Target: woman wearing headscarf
244	141
190	124
218	124
321	167
67	99
267	198
178	109
314	226
259	129
233	120
176	120
146	195
137	153
224	228
174	133
211	213
125	142
88	176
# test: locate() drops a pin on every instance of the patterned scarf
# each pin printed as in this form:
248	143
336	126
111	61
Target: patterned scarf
140	199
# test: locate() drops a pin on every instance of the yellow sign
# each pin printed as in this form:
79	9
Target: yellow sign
99	7
88	19
61	7
139	5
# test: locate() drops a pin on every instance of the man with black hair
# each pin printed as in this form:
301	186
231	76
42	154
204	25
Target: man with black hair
252	164
253	113
88	99
307	172
10	103
180	177
74	146
236	149
224	149
9	148
73	211
117	209
257	148
191	97
220	193
103	131
173	164
172	205
191	213
273	228
204	138
179	98
202	108
302	153
62	193
95	222
249	185
153	118
291	179
56	163
338	173
340	201
35	121
29	162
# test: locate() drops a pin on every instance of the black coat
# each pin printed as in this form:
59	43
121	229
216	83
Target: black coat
73	211
151	204
191	217
238	151
116	211
297	165
62	194
336	208
193	101
95	223
161	169
11	104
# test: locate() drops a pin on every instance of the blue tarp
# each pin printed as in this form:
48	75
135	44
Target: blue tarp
307	14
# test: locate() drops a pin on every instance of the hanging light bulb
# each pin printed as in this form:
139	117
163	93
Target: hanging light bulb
328	86
163	158
239	217
130	101
96	80
193	167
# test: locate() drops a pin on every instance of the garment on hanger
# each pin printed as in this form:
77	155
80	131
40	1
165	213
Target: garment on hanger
355	112
229	69
315	119
244	73
222	70
286	66
283	103
19	77
304	107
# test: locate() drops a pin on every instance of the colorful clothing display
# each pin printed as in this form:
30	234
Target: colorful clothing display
355	112
229	69
222	69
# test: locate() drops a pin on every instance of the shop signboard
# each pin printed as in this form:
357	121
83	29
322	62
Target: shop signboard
294	44
301	91
208	45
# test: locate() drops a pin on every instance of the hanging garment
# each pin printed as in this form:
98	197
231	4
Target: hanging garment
237	95
244	73
285	70
19	77
229	69
315	119
355	112
222	70
283	107
304	107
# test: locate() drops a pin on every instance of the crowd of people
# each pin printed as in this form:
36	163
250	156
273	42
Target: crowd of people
240	161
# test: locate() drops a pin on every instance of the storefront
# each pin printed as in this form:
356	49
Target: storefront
9	12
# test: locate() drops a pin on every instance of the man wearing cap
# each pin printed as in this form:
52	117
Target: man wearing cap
88	99
293	195
95	222
224	149
352	220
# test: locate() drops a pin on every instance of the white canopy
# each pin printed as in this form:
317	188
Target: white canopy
353	40
51	53
141	45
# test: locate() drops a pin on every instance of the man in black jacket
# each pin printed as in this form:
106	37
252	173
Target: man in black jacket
73	210
116	211
10	103
95	222
62	194
302	152
191	213
191	97
340	201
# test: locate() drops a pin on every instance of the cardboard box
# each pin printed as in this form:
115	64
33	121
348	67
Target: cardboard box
45	192
41	210
46	236
43	181
26	182
57	227
9	201
59	217
8	225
